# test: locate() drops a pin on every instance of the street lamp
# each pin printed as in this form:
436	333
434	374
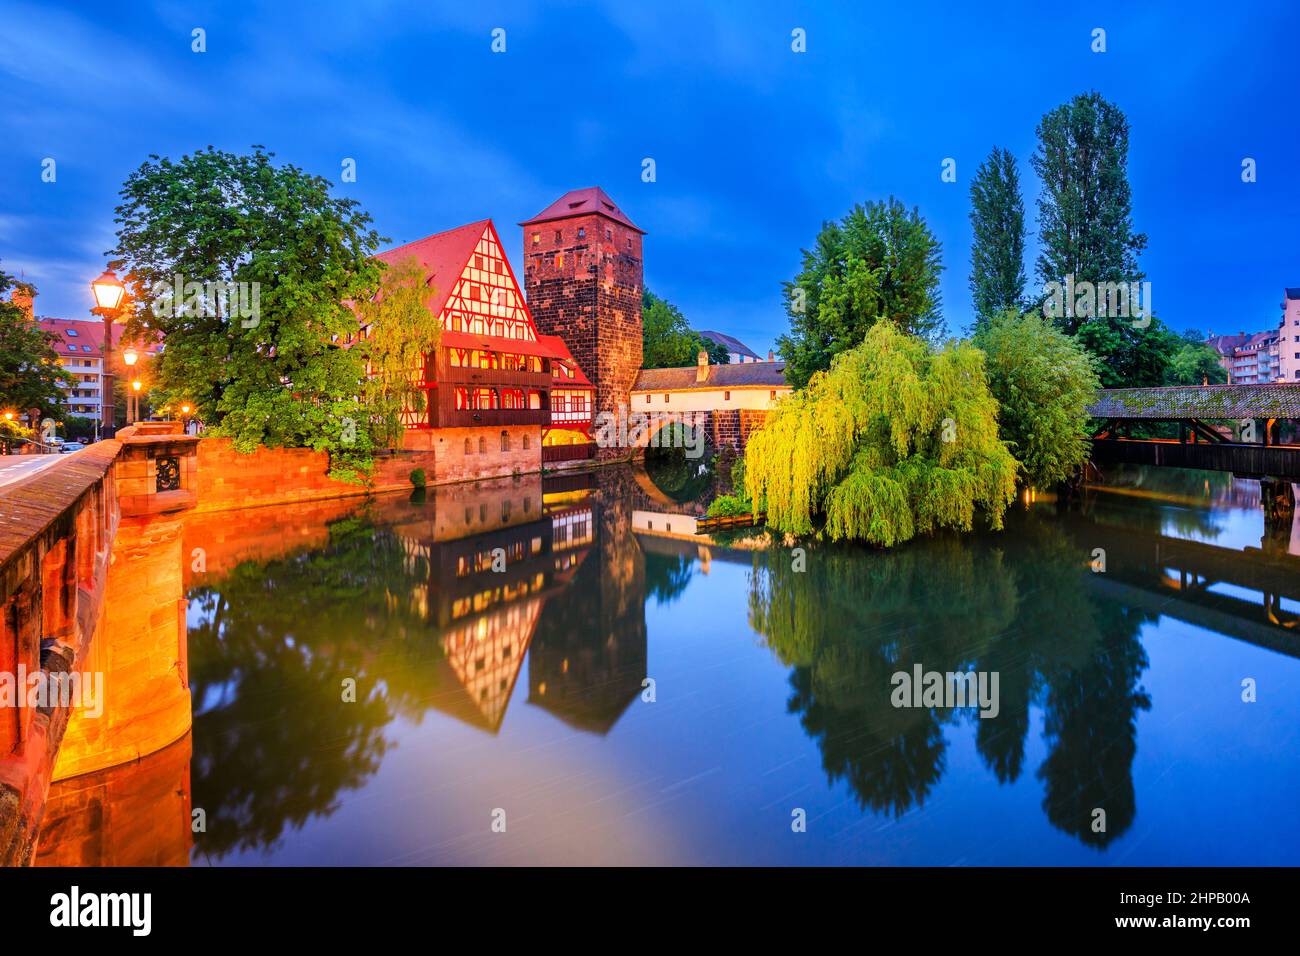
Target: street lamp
108	291
129	356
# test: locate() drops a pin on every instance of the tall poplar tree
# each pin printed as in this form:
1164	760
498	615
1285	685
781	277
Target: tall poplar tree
1085	217
997	255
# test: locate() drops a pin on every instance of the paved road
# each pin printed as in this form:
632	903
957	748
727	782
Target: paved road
17	467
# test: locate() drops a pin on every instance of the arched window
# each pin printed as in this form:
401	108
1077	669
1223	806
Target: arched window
482	446
505	441
467	446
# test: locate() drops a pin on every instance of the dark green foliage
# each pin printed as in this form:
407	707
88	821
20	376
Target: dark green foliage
277	376
879	262
997	216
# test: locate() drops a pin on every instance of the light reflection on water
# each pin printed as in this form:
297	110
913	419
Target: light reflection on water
524	690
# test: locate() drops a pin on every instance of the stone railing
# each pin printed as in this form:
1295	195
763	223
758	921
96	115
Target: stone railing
56	534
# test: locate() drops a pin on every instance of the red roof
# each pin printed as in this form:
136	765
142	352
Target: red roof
582	202
75	333
561	352
443	256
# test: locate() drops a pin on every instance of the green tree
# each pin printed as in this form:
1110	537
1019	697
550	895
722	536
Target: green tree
1044	382
403	330
1193	362
878	262
667	339
266	260
897	439
1086	234
30	374
997	255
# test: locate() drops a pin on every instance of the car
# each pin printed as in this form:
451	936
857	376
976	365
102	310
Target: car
70	446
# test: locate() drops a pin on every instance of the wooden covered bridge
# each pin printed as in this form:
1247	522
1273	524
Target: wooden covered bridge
1251	431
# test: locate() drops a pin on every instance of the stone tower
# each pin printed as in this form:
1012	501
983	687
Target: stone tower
583	279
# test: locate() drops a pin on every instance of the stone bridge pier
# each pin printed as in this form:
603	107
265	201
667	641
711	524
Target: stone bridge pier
92	619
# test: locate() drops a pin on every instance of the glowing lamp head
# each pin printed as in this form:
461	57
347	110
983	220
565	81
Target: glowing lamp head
130	355
185	409
108	290
9	416
136	385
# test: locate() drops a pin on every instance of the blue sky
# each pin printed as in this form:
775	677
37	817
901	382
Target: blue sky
755	146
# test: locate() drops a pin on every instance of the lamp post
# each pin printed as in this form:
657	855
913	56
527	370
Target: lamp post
108	290
129	356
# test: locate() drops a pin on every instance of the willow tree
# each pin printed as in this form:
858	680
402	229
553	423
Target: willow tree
402	331
896	439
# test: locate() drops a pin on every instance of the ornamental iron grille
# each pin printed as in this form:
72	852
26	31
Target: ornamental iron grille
169	473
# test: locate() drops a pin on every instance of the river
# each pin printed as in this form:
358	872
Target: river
559	672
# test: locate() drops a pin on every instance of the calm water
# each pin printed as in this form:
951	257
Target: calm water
521	691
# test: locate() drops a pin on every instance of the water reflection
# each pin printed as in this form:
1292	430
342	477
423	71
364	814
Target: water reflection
952	605
517	620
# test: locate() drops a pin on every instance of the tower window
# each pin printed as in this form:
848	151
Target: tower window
559	236
608	234
582	232
537	237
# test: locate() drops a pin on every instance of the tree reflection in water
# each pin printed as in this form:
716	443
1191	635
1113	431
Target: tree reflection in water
276	640
1016	604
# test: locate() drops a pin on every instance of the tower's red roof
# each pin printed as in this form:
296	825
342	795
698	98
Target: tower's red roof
582	202
443	256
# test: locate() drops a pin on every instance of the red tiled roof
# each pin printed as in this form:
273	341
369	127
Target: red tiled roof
582	202
91	333
561	352
443	256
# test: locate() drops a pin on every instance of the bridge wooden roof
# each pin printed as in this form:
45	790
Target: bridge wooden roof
1199	401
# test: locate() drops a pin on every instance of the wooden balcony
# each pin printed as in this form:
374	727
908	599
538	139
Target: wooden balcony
487	417
494	378
569	452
